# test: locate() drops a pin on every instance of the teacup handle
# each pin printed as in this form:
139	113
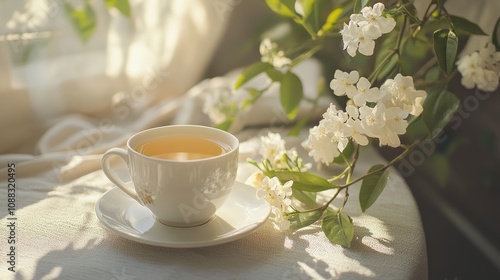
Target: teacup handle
108	171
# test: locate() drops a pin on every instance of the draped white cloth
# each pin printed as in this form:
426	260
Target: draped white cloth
71	102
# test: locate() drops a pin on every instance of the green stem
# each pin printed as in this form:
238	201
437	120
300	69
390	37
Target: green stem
306	27
340	176
344	202
392	162
426	17
247	102
394	51
400	37
306	55
375	72
331	199
356	156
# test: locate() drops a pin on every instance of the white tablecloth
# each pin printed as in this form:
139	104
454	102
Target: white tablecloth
58	235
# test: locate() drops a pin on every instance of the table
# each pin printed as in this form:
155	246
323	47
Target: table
58	235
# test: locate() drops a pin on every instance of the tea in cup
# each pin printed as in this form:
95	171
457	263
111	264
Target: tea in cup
182	173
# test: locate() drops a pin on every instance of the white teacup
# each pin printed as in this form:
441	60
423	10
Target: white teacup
179	192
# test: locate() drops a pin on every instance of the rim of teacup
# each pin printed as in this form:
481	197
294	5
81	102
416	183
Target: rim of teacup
234	145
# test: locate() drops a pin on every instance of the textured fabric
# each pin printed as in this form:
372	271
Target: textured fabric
59	237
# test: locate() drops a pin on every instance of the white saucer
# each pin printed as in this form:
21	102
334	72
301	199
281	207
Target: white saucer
241	214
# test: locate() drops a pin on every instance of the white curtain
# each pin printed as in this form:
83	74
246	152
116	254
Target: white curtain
127	65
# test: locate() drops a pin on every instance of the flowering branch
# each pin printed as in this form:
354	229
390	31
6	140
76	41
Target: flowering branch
407	84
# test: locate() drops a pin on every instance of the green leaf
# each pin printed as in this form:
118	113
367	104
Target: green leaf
388	68
496	35
338	228
445	49
308	198
311	13
411	11
347	153
250	72
274	75
440	36
439	107
225	125
283	7
84	20
291	94
254	96
372	186
122	6
359	5
303	180
416	51
416	48
332	18
463	26
451	51
303	219
433	74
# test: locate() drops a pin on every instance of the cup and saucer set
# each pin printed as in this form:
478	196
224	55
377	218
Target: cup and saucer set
183	192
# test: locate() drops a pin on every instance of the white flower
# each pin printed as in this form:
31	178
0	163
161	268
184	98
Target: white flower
219	105
395	120
364	28
255	179
372	22
372	119
352	111
364	93
358	132
327	140
334	122
279	220
470	66
277	195
343	83
490	57
273	150
274	193
489	82
395	124
383	123
481	69
354	39
400	92
272	146
321	146
269	53
266	48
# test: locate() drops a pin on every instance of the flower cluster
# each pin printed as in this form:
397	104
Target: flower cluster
220	104
363	29
271	54
376	113
278	157
277	195
481	69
